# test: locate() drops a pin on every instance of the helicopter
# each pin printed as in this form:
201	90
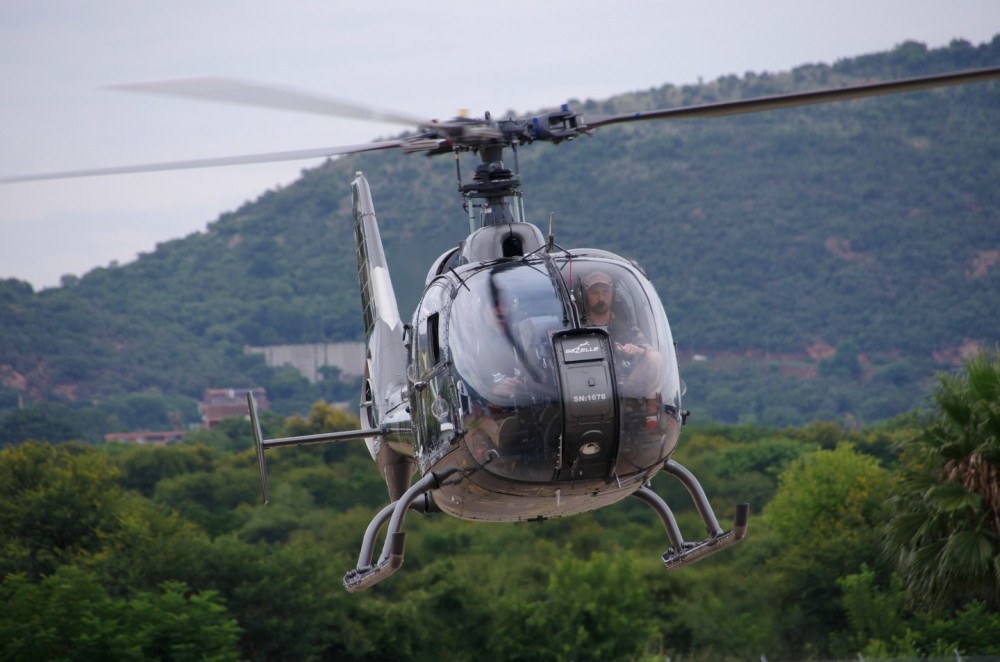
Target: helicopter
532	381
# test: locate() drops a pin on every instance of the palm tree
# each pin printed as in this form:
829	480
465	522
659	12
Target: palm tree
945	529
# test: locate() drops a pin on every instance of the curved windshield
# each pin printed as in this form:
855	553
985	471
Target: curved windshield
500	340
530	414
615	296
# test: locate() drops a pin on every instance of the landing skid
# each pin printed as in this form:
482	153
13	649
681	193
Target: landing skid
684	553
417	497
366	573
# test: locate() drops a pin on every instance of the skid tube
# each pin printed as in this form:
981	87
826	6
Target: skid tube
367	574
683	553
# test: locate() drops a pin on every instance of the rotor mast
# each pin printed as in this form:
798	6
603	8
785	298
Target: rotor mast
493	184
496	186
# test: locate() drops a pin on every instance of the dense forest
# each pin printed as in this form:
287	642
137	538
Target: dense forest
880	543
816	263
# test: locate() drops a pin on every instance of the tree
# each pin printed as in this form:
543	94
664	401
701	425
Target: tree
62	505
176	624
142	467
39	423
151	410
69	616
592	610
945	529
876	615
57	503
824	519
322	418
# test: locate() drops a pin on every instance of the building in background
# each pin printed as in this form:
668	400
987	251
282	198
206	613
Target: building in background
222	403
348	357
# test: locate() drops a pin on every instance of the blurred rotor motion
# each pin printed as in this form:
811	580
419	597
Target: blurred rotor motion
463	133
246	93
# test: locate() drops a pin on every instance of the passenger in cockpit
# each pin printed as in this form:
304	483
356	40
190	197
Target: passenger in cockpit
635	356
496	351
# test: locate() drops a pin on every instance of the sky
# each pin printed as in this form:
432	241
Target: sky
429	59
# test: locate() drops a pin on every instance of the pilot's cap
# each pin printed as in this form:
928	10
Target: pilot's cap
596	278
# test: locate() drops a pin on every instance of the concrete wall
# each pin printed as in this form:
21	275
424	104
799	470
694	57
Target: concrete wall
308	359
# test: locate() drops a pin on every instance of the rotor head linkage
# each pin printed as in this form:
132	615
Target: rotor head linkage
495	184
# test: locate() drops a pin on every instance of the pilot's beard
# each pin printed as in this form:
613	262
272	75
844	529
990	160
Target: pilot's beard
599	308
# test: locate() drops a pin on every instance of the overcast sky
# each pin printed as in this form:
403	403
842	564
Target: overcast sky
427	59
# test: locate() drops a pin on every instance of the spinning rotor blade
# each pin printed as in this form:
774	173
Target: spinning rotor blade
463	134
244	93
268	157
800	98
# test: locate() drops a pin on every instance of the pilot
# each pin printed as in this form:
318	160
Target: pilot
637	358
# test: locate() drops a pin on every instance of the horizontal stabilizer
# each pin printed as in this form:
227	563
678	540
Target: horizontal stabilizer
262	444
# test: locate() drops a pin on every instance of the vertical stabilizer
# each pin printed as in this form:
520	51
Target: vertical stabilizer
385	372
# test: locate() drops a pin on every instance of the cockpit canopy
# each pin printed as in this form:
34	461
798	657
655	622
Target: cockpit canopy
508	386
510	310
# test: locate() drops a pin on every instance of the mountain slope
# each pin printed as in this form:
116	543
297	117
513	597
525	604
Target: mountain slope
871	226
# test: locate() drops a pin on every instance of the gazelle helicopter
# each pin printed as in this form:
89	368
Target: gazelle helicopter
533	381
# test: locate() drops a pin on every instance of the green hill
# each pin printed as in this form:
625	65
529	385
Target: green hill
824	262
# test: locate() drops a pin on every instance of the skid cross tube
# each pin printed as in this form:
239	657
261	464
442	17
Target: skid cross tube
691	484
366	575
654	501
425	505
684	553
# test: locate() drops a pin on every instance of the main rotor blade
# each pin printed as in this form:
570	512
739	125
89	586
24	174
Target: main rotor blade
800	98
268	157
245	93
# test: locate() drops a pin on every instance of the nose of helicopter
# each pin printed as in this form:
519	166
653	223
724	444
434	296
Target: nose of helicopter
590	429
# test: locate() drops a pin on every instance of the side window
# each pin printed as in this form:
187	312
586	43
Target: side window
429	330
433	339
420	357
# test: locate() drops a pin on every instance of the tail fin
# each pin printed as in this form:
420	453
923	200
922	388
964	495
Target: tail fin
378	299
385	373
